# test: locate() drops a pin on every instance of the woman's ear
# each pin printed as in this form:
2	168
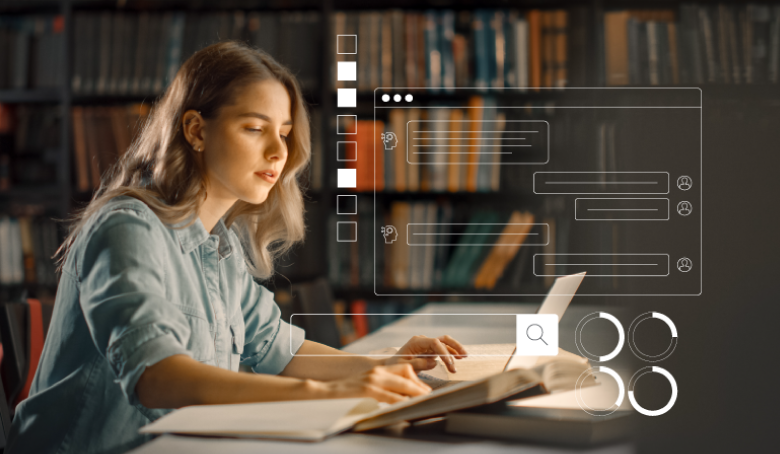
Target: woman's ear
193	127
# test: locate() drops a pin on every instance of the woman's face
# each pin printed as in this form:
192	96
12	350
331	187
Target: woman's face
245	148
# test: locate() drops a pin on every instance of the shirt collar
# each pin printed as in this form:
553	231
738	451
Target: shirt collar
195	235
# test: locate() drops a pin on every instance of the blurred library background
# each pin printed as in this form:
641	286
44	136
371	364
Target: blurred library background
78	77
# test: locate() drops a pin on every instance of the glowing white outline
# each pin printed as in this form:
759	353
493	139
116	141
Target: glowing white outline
619	198
344	241
602	275
345	133
338	196
581	380
345	53
471	163
700	107
337	150
581	326
635	378
635	349
525	243
602	193
394	313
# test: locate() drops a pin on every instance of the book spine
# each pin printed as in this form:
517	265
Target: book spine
521	49
652	49
174	47
399	49
447	21
479	46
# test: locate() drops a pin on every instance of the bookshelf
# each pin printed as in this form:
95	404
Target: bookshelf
589	62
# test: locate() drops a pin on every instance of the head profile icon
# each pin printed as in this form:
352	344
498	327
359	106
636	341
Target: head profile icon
684	208
684	264
390	233
389	139
684	183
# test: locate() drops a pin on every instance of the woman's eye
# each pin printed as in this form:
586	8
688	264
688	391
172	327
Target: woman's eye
255	130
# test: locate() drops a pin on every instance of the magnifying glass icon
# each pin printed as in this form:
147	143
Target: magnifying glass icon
531	336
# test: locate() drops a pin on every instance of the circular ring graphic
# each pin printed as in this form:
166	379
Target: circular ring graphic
578	336
684	182
578	391
647	370
644	356
684	264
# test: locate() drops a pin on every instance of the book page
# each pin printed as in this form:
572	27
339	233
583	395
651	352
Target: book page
303	419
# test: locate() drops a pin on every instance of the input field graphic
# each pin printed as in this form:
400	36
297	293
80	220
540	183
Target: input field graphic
601	182
621	209
603	265
502	234
488	142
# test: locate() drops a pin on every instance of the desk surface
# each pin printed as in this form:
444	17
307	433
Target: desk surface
429	321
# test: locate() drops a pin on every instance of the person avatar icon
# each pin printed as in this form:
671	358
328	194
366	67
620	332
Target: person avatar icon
684	264
389	139
684	183
684	208
390	233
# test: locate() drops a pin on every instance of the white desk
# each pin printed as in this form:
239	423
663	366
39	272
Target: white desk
428	321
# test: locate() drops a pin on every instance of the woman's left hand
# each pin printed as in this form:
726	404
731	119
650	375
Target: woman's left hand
444	347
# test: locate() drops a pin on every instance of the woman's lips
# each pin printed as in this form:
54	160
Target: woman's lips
266	177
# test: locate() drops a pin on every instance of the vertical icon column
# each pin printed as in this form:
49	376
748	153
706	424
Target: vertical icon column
346	150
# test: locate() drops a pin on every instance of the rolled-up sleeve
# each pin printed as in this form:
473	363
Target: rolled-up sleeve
123	297
270	341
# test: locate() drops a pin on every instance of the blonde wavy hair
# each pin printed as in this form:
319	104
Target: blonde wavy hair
161	170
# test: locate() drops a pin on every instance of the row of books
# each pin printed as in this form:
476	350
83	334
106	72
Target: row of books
727	44
100	135
29	144
129	53
473	248
31	50
479	48
466	159
26	247
103	133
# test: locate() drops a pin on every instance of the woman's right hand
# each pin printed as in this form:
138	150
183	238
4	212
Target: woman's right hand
389	384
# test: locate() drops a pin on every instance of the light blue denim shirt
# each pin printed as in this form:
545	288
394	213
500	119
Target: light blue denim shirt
133	292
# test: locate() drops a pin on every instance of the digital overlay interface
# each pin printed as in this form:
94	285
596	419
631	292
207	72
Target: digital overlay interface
611	178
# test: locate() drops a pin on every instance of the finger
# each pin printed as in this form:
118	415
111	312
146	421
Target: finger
408	372
454	352
440	349
382	395
450	342
423	363
401	380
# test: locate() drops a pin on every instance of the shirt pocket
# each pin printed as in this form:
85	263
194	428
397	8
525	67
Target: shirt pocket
237	345
202	341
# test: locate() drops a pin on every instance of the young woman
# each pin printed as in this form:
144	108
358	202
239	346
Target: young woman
156	305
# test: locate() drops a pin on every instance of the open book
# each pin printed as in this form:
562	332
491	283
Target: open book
313	420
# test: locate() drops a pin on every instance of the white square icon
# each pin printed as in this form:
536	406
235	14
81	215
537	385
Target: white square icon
347	97
347	178
347	70
537	334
